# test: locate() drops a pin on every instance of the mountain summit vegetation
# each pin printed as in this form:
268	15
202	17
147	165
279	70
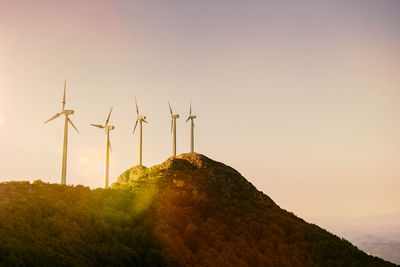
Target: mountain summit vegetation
187	211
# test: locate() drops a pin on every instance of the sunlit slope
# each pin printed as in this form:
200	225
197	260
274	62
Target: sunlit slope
189	210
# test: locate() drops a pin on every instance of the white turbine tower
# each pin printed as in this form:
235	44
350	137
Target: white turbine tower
139	119
173	129
191	118
107	128
67	120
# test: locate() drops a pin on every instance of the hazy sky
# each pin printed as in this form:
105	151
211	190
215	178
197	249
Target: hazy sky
301	97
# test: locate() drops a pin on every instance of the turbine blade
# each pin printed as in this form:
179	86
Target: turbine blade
145	121
135	127
188	119
108	117
52	118
137	109
65	88
110	146
73	125
190	112
98	126
172	124
170	109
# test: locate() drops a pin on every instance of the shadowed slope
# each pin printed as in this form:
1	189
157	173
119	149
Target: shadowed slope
207	214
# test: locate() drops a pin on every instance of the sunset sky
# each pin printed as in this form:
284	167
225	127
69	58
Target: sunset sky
301	97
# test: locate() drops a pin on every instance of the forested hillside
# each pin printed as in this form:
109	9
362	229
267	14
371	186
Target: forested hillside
189	210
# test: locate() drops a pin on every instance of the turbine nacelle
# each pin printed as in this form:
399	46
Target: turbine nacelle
109	127
67	112
141	118
176	116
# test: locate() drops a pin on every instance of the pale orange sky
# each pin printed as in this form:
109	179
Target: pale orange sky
301	98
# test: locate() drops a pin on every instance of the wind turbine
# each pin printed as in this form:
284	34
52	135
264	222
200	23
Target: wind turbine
67	120
173	125
139	119
107	128
191	118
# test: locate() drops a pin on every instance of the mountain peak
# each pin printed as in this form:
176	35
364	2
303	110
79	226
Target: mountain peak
198	172
198	160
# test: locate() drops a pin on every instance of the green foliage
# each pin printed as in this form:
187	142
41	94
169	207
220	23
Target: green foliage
188	211
54	225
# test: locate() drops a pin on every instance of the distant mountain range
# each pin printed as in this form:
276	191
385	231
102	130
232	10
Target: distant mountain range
385	245
187	211
378	234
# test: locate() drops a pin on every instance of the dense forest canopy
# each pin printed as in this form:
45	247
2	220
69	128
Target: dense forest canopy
188	211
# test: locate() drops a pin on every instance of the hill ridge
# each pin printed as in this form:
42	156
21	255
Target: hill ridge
187	211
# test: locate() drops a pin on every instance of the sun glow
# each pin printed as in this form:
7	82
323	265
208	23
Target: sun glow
2	119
